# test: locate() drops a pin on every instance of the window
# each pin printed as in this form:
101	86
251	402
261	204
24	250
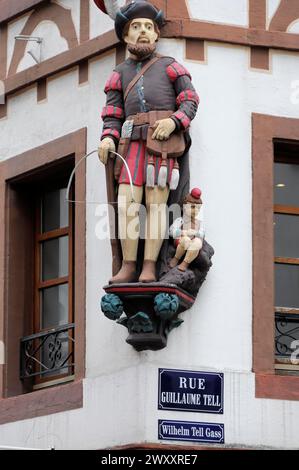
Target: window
42	262
275	153
286	250
48	354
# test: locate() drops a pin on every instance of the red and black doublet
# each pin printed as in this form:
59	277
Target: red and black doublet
166	85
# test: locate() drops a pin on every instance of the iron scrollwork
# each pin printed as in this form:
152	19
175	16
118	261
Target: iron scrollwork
286	331
48	353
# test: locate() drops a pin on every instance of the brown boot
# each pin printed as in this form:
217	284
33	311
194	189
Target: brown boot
148	272
183	266
126	274
173	262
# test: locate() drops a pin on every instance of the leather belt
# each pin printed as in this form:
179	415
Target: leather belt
141	119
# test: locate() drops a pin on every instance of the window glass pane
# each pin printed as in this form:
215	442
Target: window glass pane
54	210
286	285
54	258
54	306
286	230
286	184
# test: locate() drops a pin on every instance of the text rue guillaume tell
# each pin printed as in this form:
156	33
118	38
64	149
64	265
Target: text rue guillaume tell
193	398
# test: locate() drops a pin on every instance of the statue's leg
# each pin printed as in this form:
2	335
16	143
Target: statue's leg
192	252
180	251
128	231
156	226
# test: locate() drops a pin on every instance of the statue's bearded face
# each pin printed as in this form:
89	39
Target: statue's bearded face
141	31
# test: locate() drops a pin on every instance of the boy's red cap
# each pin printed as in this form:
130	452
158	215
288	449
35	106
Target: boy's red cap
196	193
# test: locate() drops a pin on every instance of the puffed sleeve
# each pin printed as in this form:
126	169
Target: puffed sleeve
187	100
113	112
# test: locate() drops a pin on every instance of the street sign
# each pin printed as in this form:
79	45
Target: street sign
191	431
185	390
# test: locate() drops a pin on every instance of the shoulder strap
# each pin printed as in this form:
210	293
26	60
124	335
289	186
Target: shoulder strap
142	72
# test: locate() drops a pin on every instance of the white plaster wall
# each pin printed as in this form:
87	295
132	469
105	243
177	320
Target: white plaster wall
120	389
233	12
220	11
294	27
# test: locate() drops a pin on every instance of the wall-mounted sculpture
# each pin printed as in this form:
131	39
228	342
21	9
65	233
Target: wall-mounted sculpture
150	104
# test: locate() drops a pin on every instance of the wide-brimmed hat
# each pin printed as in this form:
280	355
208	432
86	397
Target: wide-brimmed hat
134	9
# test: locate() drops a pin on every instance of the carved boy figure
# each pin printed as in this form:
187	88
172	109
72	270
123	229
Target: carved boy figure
162	97
188	231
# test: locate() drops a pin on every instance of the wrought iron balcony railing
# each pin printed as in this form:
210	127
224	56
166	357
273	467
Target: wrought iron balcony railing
286	333
49	353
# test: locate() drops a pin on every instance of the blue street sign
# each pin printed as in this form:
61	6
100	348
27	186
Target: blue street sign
185	390
190	431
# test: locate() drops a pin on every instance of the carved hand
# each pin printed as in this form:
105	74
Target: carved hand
107	145
164	127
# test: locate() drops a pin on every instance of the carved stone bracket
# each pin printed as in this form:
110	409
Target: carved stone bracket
149	312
